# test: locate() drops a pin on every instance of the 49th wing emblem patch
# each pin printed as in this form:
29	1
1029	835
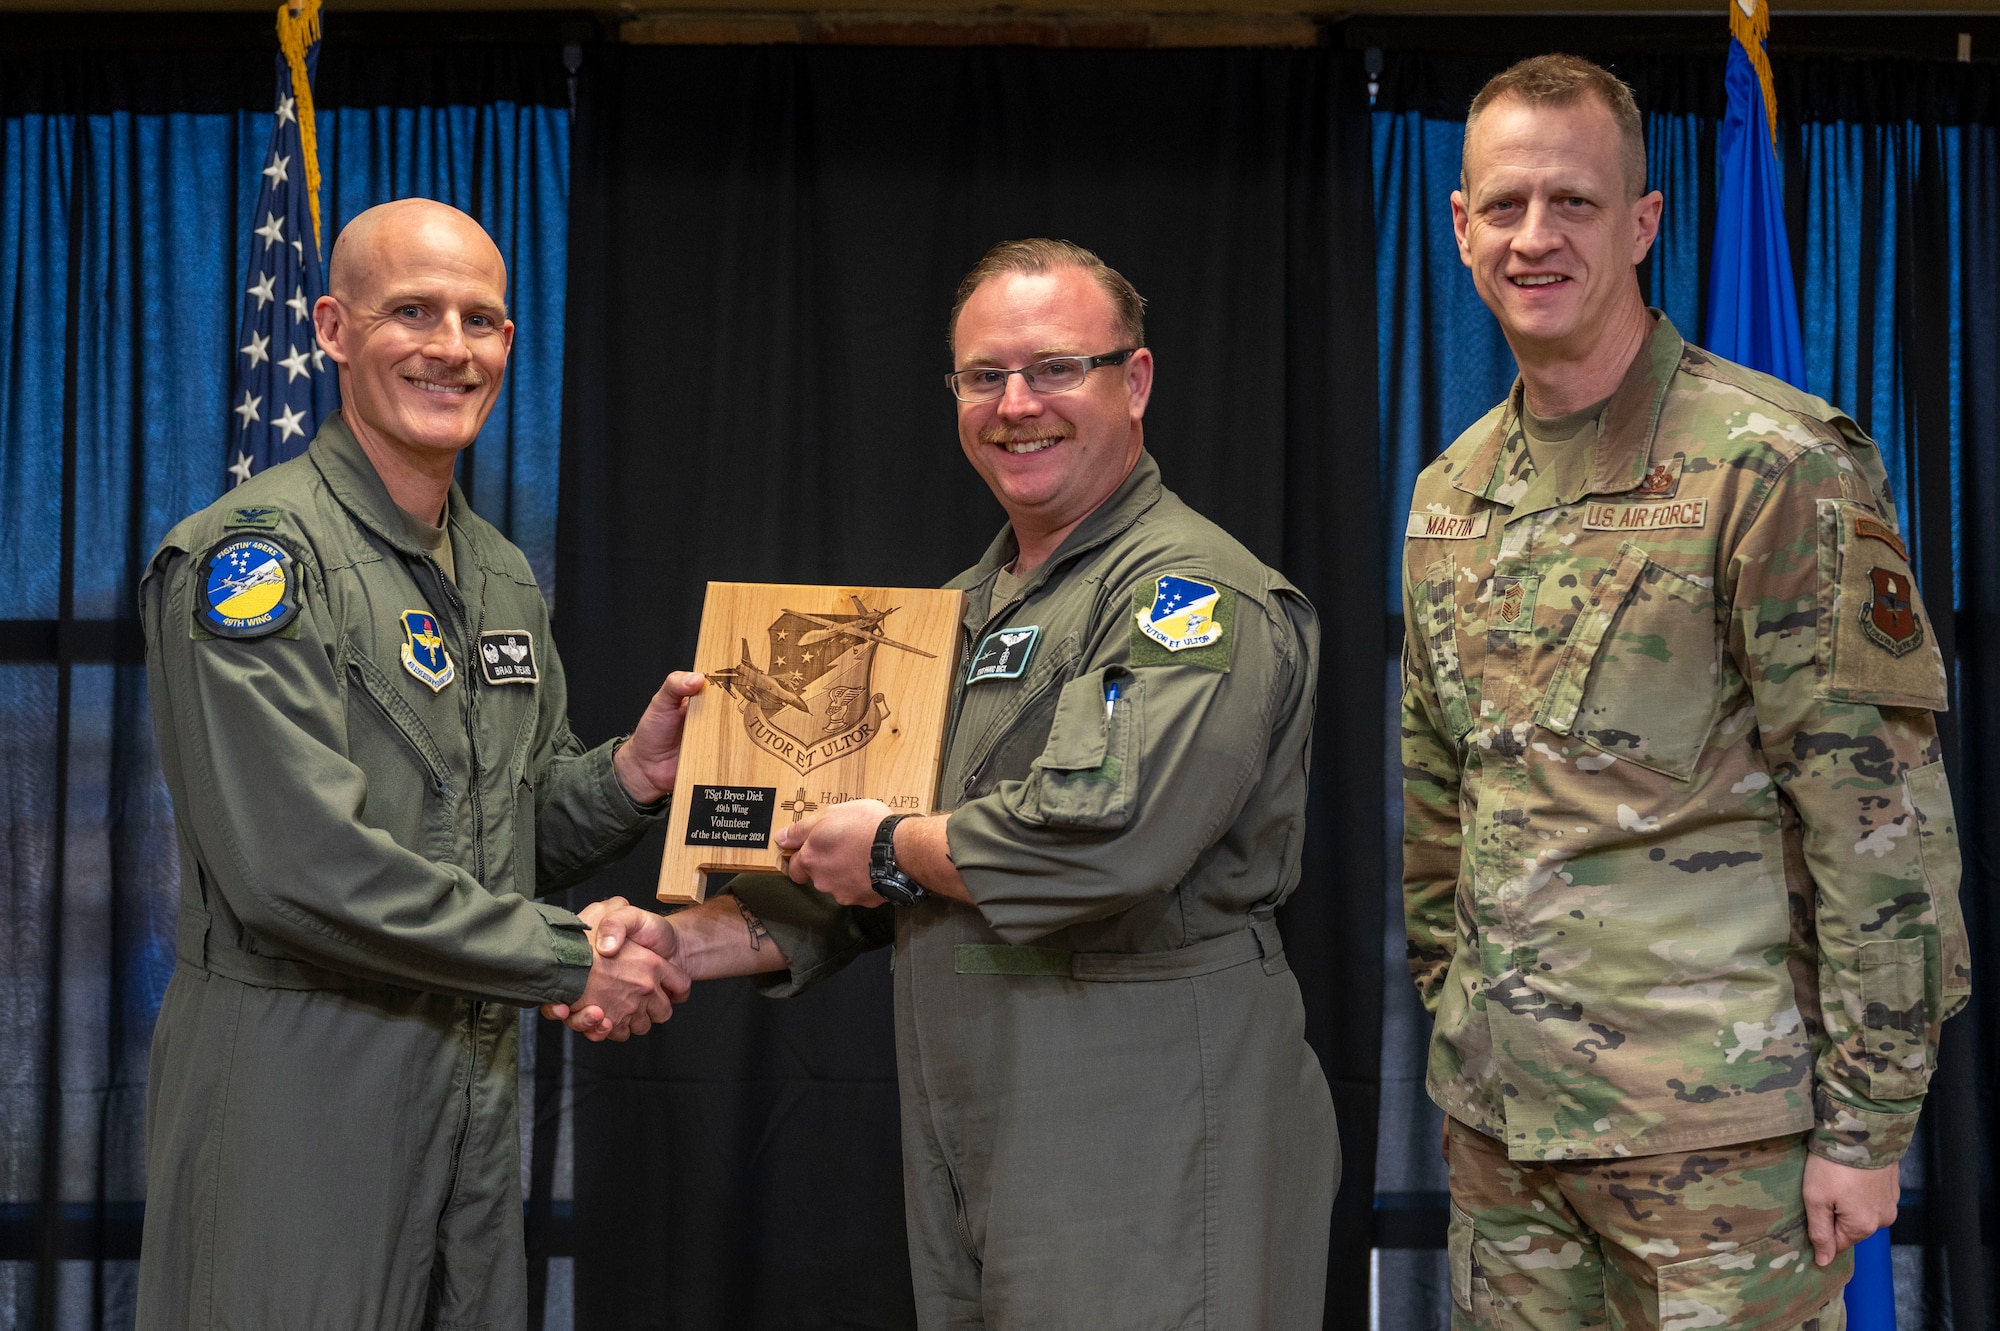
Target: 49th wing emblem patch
249	588
1180	621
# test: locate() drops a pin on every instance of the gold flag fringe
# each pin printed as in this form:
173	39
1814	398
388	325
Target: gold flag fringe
1750	28
298	29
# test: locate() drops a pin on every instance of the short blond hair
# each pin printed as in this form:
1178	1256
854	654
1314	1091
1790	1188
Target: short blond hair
1036	256
1565	80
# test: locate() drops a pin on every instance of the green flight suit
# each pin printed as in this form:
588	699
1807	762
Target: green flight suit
331	1112
1110	1116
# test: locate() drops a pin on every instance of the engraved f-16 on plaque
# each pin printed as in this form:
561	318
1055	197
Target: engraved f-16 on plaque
816	695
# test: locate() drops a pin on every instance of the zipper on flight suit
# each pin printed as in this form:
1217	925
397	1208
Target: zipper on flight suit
473	1015
959	1220
477	1009
470	707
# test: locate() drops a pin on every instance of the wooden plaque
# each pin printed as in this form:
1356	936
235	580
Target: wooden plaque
815	695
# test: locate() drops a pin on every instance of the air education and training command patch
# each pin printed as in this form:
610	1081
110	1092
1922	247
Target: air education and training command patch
423	651
249	587
1179	621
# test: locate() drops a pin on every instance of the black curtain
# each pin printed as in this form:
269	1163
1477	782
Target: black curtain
764	247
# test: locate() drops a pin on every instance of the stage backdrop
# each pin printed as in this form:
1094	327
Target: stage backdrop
764	247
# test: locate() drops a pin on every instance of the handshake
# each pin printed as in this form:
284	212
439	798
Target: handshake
642	964
636	973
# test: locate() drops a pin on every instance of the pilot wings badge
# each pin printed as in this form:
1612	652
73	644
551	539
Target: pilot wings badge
812	704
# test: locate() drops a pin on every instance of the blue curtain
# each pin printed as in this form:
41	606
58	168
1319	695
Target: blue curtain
1893	212
126	188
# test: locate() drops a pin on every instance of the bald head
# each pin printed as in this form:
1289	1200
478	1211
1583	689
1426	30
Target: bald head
370	245
415	315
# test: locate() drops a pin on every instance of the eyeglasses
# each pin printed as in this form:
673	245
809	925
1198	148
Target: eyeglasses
1057	374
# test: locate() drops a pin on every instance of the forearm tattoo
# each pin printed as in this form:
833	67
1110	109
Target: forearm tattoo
758	933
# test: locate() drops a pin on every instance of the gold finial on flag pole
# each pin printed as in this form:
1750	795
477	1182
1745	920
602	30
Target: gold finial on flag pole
298	29
1749	24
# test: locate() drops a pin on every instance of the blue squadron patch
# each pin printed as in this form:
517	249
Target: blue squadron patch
249	588
1183	614
423	650
1004	655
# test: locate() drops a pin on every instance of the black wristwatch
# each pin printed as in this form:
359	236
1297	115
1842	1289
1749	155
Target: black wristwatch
890	882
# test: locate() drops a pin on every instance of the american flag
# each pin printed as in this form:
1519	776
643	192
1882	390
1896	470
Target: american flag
283	384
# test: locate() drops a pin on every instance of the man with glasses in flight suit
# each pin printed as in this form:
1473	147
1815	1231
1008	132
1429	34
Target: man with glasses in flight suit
1111	1118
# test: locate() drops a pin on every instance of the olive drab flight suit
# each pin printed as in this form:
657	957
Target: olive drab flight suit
372	773
1111	1118
1680	865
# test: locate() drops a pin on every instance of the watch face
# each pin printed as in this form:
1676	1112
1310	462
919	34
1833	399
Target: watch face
895	886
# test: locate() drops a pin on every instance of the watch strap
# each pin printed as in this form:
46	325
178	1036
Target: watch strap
887	876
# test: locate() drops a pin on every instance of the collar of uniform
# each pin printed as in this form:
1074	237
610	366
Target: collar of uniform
358	486
1631	418
1625	430
1139	492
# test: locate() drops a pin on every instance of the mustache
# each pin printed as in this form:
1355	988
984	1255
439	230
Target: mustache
469	377
1002	434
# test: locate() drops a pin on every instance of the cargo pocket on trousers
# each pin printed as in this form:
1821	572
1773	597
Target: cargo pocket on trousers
1771	1282
1087	773
1894	1018
1458	1239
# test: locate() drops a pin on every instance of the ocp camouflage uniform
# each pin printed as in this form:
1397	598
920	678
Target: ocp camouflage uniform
1656	1240
1680	867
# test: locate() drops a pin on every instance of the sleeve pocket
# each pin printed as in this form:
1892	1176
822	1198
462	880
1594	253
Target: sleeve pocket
1894	1018
1087	772
1937	845
1875	644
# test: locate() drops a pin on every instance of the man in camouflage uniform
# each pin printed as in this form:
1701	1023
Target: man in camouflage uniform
1680	870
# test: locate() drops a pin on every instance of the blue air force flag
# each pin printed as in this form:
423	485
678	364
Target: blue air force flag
283	385
1753	309
1182	614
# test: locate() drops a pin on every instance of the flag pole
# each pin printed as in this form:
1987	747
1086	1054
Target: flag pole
282	385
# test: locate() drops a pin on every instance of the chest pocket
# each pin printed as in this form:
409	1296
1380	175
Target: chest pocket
391	744
1640	676
1087	773
1019	726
